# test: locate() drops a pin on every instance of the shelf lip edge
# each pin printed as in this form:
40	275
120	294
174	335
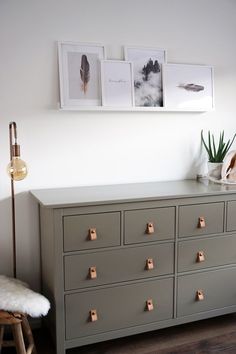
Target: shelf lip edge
133	109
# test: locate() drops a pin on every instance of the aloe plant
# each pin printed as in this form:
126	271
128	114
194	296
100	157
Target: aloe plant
216	153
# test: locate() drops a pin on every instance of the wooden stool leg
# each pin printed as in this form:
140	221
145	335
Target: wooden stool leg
18	338
29	335
1	337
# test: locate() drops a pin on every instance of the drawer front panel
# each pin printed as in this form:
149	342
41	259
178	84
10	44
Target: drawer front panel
99	268
118	307
210	252
190	215
78	228
231	216
161	221
218	289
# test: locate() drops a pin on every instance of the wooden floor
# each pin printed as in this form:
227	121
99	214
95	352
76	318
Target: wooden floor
214	336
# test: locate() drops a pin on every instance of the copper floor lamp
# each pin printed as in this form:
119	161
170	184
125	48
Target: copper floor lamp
17	170
22	300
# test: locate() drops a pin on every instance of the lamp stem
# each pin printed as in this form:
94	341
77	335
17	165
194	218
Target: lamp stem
13	227
12	127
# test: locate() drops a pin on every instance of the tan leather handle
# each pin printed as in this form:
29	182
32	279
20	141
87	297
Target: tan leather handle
92	273
201	222
149	264
199	295
92	234
149	305
93	315
200	257
150	228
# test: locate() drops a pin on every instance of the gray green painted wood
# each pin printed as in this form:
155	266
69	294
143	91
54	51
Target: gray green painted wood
189	215
118	307
76	231
218	288
94	195
120	215
217	251
118	265
231	216
163	220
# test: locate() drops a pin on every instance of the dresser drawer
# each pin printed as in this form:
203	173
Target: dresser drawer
99	268
91	231
218	289
231	216
148	225
118	307
210	252
201	219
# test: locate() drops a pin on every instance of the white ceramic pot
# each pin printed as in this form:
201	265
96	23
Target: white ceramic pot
214	169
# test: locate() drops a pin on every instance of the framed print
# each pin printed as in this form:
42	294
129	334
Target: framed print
147	67
188	87
117	83
79	71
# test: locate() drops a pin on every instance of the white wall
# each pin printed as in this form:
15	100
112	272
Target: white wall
82	148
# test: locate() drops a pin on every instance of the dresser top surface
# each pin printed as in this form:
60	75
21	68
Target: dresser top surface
123	193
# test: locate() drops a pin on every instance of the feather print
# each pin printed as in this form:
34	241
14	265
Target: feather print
191	87
84	73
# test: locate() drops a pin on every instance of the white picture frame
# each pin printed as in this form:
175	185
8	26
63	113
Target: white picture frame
147	73
117	83
188	87
79	74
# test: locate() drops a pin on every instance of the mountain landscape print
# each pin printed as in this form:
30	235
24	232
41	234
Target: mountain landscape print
147	66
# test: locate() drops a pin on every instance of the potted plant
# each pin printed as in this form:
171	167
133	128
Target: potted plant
216	152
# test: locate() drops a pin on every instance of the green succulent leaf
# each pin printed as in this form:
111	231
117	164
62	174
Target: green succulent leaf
216	152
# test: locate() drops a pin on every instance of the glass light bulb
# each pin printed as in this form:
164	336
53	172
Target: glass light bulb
17	169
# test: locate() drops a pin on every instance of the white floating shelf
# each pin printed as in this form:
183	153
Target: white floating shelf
131	109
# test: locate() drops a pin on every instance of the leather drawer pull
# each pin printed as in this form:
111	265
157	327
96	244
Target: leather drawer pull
199	295
149	305
92	234
150	228
93	315
149	264
200	257
92	273
201	222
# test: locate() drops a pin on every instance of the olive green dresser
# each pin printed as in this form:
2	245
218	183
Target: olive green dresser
123	259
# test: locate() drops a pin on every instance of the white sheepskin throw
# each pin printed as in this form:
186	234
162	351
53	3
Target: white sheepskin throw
15	296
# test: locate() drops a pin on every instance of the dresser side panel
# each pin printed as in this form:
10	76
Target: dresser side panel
47	249
47	259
